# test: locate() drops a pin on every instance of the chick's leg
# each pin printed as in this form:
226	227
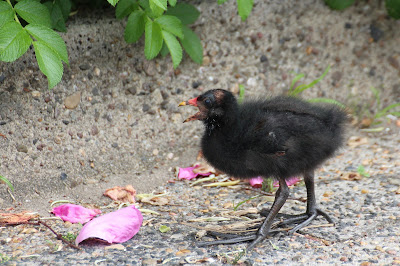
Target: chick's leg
265	229
280	199
312	210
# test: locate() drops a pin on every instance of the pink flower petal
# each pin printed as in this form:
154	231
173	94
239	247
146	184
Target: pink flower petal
291	181
256	182
75	213
188	174
115	227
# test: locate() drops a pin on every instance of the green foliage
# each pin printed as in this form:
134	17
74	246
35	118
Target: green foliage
361	171
241	93
244	201
380	111
244	7
164	229
164	32
4	258
39	19
295	91
164	23
7	182
392	6
339	4
69	237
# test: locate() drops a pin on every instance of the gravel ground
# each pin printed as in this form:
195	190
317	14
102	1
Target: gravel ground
366	211
113	120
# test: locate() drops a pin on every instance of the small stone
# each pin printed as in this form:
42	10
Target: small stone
80	135
155	152
196	84
57	140
206	61
63	176
149	68
72	101
84	66
95	92
393	62
336	77
40	147
94	131
35	94
22	148
150	262
132	90
35	141
375	32
114	145
2	78
145	107
47	99
170	155
2	123
263	58
348	25
157	97
97	71
66	122
115	246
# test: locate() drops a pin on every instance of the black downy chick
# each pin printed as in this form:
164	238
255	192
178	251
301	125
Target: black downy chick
279	137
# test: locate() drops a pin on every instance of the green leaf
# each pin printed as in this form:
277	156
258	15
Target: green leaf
171	24
221	2
14	41
327	100
339	4
134	27
33	12
57	18
164	228
65	6
241	93
160	3
304	87
50	38
192	45
164	50
361	171
385	110
188	14
113	2
153	39
49	62
172	2
125	7
244	8
7	182
295	79
393	8
6	13
174	47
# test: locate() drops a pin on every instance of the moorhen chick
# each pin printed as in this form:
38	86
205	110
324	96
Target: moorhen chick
279	137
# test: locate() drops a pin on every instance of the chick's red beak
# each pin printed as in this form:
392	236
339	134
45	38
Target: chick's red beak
196	116
192	102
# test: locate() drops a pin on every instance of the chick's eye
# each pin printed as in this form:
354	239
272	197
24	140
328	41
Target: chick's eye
207	102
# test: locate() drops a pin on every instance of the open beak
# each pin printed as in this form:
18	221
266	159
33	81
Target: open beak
196	116
192	102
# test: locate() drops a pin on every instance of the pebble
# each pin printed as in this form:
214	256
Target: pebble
84	66
155	152
66	122
145	107
263	58
57	140
149	68
206	60
63	176
35	94
97	71
72	101
196	84
375	32
394	62
131	90
22	148
94	131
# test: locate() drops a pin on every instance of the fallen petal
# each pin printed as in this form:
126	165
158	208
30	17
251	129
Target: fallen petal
115	227
291	181
75	213
188	174
123	194
256	182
